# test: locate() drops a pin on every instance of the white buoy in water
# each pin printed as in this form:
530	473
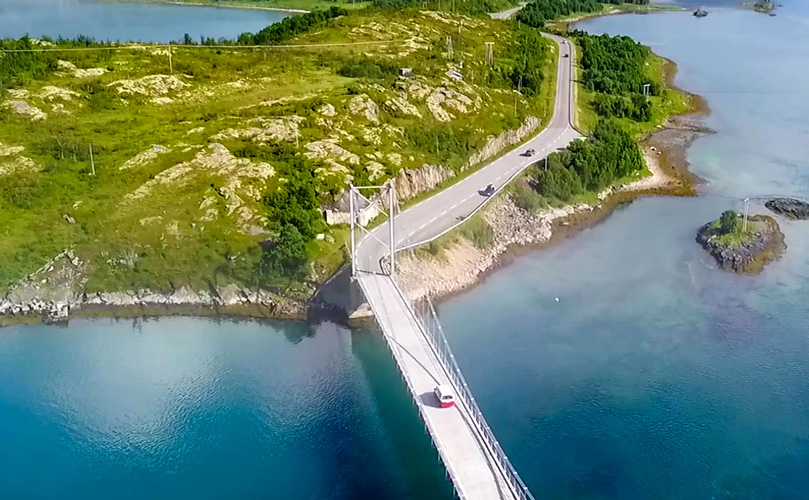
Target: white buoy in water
557	299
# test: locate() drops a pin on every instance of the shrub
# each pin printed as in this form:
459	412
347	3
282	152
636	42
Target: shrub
286	256
525	197
366	68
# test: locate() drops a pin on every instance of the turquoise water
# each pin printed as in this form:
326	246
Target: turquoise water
655	375
189	408
146	22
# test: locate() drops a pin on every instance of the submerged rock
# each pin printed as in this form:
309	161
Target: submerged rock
744	252
789	207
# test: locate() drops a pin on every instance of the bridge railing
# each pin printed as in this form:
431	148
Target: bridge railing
427	320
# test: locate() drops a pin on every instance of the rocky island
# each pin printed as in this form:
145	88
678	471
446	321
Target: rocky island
742	249
789	207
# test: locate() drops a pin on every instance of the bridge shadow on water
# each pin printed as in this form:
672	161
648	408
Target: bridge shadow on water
424	474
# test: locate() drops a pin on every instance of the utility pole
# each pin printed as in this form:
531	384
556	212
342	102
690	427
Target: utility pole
171	63
92	161
449	47
352	216
489	53
746	208
392	196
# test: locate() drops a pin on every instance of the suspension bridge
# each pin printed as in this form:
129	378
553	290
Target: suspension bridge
475	461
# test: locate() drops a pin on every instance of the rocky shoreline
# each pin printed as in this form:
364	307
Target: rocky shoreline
461	264
515	231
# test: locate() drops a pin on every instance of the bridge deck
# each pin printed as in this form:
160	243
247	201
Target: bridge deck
474	471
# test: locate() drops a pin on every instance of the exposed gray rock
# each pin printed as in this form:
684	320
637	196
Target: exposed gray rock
789	207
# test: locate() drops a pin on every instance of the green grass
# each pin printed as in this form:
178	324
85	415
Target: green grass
163	240
738	237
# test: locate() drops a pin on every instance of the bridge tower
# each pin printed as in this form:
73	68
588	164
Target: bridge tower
363	210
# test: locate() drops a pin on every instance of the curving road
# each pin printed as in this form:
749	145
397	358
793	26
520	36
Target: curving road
479	468
443	211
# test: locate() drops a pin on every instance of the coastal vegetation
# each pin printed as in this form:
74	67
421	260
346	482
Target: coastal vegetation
198	166
589	165
538	13
625	80
621	95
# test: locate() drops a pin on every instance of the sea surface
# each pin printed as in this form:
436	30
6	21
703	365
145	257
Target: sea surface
206	409
653	376
127	21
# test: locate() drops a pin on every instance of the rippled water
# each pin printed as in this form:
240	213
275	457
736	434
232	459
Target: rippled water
127	21
656	375
190	408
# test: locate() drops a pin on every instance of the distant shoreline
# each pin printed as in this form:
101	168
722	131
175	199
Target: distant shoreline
213	5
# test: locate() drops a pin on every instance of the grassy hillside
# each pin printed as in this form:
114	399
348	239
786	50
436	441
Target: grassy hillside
209	165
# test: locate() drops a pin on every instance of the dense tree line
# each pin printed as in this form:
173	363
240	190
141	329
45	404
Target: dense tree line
614	64
539	12
615	68
589	165
291	27
531	55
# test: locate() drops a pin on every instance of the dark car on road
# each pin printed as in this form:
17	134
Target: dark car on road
488	191
529	152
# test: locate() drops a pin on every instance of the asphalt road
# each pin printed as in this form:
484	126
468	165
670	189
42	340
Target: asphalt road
446	209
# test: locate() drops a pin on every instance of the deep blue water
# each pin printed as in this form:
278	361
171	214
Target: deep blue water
188	408
145	22
655	375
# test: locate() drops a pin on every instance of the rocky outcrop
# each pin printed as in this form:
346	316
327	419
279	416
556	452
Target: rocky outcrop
789	207
497	143
151	86
25	109
411	182
145	157
764	245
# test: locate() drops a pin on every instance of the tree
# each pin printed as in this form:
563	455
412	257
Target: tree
287	254
729	222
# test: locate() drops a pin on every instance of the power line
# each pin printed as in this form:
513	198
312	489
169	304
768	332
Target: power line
168	46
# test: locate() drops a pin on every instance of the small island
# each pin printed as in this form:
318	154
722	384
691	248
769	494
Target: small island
762	6
789	208
739	249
